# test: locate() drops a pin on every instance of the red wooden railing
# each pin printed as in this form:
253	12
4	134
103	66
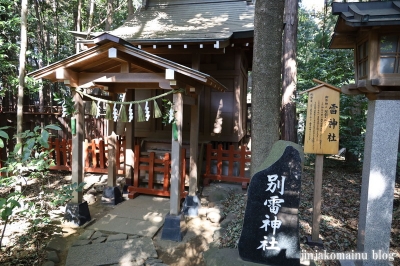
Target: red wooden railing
219	155
95	155
61	154
153	166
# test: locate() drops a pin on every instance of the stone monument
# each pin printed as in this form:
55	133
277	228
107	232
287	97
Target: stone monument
270	232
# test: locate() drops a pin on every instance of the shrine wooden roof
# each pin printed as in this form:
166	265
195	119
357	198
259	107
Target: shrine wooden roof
188	21
356	15
119	65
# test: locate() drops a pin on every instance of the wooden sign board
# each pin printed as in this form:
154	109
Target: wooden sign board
322	124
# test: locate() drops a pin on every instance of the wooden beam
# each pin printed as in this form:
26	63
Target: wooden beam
388	95
186	80
366	85
221	44
386	82
120	78
120	56
103	63
67	76
122	87
350	89
181	50
187	100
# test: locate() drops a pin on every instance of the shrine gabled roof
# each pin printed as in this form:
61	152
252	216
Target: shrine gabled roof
96	63
189	21
355	15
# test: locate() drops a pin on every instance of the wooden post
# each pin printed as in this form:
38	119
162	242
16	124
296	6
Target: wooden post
319	164
110	123
112	168
129	135
176	156
111	179
77	147
194	142
194	133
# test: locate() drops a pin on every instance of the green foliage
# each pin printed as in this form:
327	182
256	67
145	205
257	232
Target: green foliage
64	98
65	194
29	160
3	135
7	205
9	48
49	37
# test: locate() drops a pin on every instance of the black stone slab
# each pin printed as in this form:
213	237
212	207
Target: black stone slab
281	247
112	196
77	213
173	228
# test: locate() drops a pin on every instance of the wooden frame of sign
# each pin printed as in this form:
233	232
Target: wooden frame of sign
321	137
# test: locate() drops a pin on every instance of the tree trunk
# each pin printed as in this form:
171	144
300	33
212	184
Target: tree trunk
78	22
90	18
109	18
41	48
131	10
289	73
22	62
267	67
79	16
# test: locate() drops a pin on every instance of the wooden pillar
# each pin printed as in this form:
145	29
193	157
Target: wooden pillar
111	144
77	147
112	167
176	156
194	143
129	145
319	166
194	134
111	123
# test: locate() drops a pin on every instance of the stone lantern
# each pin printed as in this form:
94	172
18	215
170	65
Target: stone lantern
372	30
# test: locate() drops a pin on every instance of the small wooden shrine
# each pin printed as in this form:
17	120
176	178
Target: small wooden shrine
200	51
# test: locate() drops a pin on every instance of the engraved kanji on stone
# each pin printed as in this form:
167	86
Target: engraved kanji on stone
274	183
265	242
274	203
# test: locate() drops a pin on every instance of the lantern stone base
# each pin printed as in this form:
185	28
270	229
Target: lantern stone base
314	243
173	228
191	206
112	196
77	213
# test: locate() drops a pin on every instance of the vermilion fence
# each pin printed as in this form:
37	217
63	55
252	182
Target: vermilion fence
61	154
95	155
152	175
227	165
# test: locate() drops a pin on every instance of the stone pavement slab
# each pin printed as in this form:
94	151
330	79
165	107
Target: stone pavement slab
116	224
115	252
141	216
